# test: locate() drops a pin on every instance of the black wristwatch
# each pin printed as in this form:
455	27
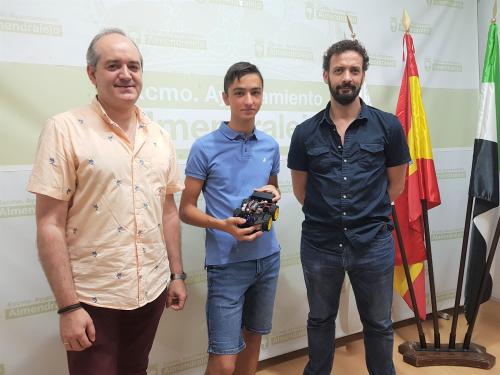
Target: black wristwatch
178	276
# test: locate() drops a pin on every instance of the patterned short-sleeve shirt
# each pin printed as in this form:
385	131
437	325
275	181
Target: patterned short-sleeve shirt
116	192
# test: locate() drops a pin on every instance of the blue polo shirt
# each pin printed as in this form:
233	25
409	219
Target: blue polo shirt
346	190
232	166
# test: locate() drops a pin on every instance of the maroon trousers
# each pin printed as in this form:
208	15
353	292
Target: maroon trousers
123	340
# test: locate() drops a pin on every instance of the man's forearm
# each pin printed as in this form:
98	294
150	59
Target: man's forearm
172	235
56	264
394	192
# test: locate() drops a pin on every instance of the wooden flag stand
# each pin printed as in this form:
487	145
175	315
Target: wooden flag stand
420	354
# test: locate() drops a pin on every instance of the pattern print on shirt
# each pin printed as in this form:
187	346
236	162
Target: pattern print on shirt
117	190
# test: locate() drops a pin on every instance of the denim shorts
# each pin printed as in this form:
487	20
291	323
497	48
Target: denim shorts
240	295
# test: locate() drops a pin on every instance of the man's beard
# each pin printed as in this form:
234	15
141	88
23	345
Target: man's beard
344	99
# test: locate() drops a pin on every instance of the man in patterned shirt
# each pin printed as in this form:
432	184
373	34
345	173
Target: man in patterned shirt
108	229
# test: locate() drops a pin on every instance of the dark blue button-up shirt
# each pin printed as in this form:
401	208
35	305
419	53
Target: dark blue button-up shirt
346	191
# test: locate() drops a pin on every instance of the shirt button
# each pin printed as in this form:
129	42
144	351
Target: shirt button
344	213
340	245
344	196
345	160
345	178
345	229
339	146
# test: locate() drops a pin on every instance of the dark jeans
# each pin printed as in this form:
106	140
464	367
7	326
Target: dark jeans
123	340
371	272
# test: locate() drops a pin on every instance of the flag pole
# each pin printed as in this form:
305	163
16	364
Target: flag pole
484	280
461	270
430	269
421	334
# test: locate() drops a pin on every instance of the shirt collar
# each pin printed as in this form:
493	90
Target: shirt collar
363	114
233	135
143	120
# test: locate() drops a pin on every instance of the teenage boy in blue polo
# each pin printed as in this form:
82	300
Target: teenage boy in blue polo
242	264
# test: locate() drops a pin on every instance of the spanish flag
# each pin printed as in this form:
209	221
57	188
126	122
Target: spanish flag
421	182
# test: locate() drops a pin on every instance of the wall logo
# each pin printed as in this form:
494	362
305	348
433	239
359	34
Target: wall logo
445	235
17	208
177	366
285	51
384	61
415	28
289	335
169	40
451	174
324	12
28	25
30	308
459	4
248	4
264	343
291	260
446	296
431	64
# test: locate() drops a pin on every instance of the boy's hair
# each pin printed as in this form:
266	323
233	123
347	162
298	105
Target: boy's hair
238	70
344	46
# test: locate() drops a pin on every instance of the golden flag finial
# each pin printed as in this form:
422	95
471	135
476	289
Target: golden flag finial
494	16
406	21
353	34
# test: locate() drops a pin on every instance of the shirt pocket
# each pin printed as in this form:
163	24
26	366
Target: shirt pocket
320	159
371	155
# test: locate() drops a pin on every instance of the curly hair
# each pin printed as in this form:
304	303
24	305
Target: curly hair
344	46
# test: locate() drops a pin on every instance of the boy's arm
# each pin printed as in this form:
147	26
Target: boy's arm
191	214
272	187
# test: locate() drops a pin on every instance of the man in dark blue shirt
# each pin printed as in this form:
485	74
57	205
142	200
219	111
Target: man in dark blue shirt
348	164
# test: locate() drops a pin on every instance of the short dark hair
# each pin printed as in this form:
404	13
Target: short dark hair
92	54
238	70
344	46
